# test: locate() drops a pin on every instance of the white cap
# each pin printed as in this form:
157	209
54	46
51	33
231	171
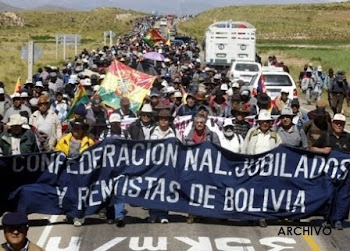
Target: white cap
24	95
264	115
15	119
224	87
235	85
115	117
86	82
284	90
167	60
227	122
170	89
177	94
198	60
2	91
102	76
39	84
96	88
245	92
339	117
319	68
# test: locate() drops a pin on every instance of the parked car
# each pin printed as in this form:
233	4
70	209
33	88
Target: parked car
275	79
244	70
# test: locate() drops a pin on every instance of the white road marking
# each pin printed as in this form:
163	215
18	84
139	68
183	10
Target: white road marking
110	244
45	234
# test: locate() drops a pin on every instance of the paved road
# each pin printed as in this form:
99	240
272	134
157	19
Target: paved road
210	234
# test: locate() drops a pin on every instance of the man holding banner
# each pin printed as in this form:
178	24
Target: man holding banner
338	139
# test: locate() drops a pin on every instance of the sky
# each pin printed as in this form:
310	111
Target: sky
160	6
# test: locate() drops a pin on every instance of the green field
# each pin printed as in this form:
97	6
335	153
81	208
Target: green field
42	26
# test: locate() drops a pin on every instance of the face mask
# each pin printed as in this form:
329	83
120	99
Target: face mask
228	133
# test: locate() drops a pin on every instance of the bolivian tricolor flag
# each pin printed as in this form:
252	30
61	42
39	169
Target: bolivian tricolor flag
153	38
80	98
18	86
123	81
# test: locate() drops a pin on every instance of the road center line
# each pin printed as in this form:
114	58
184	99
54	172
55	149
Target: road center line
311	242
45	234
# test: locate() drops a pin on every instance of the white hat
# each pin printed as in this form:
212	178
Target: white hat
177	94
86	82
235	85
319	68
115	117
25	123
24	95
339	117
15	119
284	90
287	111
167	60
170	89
16	95
164	83
2	91
96	88
39	84
228	122
217	76
264	115
245	92
102	76
310	64
85	60
147	108
224	87
198	60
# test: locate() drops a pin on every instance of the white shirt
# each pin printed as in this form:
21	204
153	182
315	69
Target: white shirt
234	144
44	124
159	134
15	145
262	143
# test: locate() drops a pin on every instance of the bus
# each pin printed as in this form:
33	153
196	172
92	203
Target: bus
228	41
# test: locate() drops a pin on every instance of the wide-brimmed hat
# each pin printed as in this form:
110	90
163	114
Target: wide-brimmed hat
146	108
264	115
164	113
15	119
201	96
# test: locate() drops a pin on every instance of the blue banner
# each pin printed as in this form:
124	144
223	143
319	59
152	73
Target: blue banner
203	180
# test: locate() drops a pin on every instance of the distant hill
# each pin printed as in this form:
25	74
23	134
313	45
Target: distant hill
6	7
49	7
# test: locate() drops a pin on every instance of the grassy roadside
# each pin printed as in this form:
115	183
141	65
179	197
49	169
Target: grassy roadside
42	26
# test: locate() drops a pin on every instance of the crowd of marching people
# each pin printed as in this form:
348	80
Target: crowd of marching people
189	100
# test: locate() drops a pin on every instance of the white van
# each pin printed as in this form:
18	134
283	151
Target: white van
275	80
163	22
228	41
243	70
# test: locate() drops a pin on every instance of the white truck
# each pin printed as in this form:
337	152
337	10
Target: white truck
228	41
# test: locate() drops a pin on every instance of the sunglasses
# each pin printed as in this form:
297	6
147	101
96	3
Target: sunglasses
146	115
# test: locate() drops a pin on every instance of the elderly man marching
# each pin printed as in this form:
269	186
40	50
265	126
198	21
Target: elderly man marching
47	125
163	130
261	139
